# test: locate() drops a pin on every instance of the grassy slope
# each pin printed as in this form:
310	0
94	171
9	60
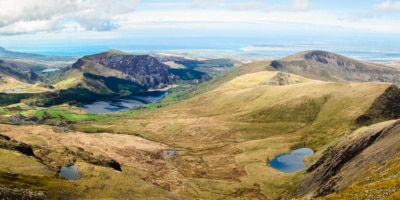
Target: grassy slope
96	183
9	83
253	103
180	93
240	123
233	130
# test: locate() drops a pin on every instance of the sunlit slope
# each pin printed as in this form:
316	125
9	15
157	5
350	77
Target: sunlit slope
252	67
313	64
253	106
232	131
52	150
13	85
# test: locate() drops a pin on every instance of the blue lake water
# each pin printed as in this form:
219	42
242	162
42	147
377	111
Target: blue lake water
15	90
122	103
171	152
50	70
70	173
292	161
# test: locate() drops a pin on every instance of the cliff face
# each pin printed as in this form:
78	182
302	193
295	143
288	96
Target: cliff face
144	70
354	158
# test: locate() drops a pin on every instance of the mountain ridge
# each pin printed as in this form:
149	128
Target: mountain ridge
323	65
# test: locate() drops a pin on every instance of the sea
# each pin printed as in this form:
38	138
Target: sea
243	48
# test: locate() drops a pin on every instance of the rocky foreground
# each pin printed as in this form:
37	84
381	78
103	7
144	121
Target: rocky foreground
16	193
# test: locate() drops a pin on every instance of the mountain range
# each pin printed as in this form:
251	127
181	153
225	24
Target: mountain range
6	54
216	140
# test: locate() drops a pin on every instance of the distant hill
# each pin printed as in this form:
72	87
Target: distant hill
322	65
6	54
211	67
23	70
313	64
115	72
14	70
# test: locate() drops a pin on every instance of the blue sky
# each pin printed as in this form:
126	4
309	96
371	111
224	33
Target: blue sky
56	24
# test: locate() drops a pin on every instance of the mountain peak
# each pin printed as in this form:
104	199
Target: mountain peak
328	66
115	51
143	70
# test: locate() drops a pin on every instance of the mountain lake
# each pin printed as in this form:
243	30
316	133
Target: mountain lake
70	173
292	161
123	103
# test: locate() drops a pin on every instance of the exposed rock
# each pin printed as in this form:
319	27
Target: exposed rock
338	165
68	156
63	127
281	78
144	70
17	193
99	160
6	143
17	118
4	137
21	119
32	120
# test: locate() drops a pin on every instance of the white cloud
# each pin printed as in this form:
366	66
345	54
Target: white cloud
205	3
245	6
296	5
31	16
357	17
300	4
388	6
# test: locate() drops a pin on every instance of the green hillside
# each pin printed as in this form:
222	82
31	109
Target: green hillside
230	132
220	138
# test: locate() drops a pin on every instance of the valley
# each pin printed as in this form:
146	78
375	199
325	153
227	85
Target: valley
224	120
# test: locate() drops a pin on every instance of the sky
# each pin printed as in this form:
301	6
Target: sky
79	25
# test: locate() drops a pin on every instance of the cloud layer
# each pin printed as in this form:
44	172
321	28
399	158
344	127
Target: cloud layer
388	6
71	15
131	16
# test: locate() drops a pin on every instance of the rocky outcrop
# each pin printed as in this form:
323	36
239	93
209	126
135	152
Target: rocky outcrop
21	119
67	156
63	127
7	143
282	78
99	160
17	193
340	164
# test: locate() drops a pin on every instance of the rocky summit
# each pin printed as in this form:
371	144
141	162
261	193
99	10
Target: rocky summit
144	70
